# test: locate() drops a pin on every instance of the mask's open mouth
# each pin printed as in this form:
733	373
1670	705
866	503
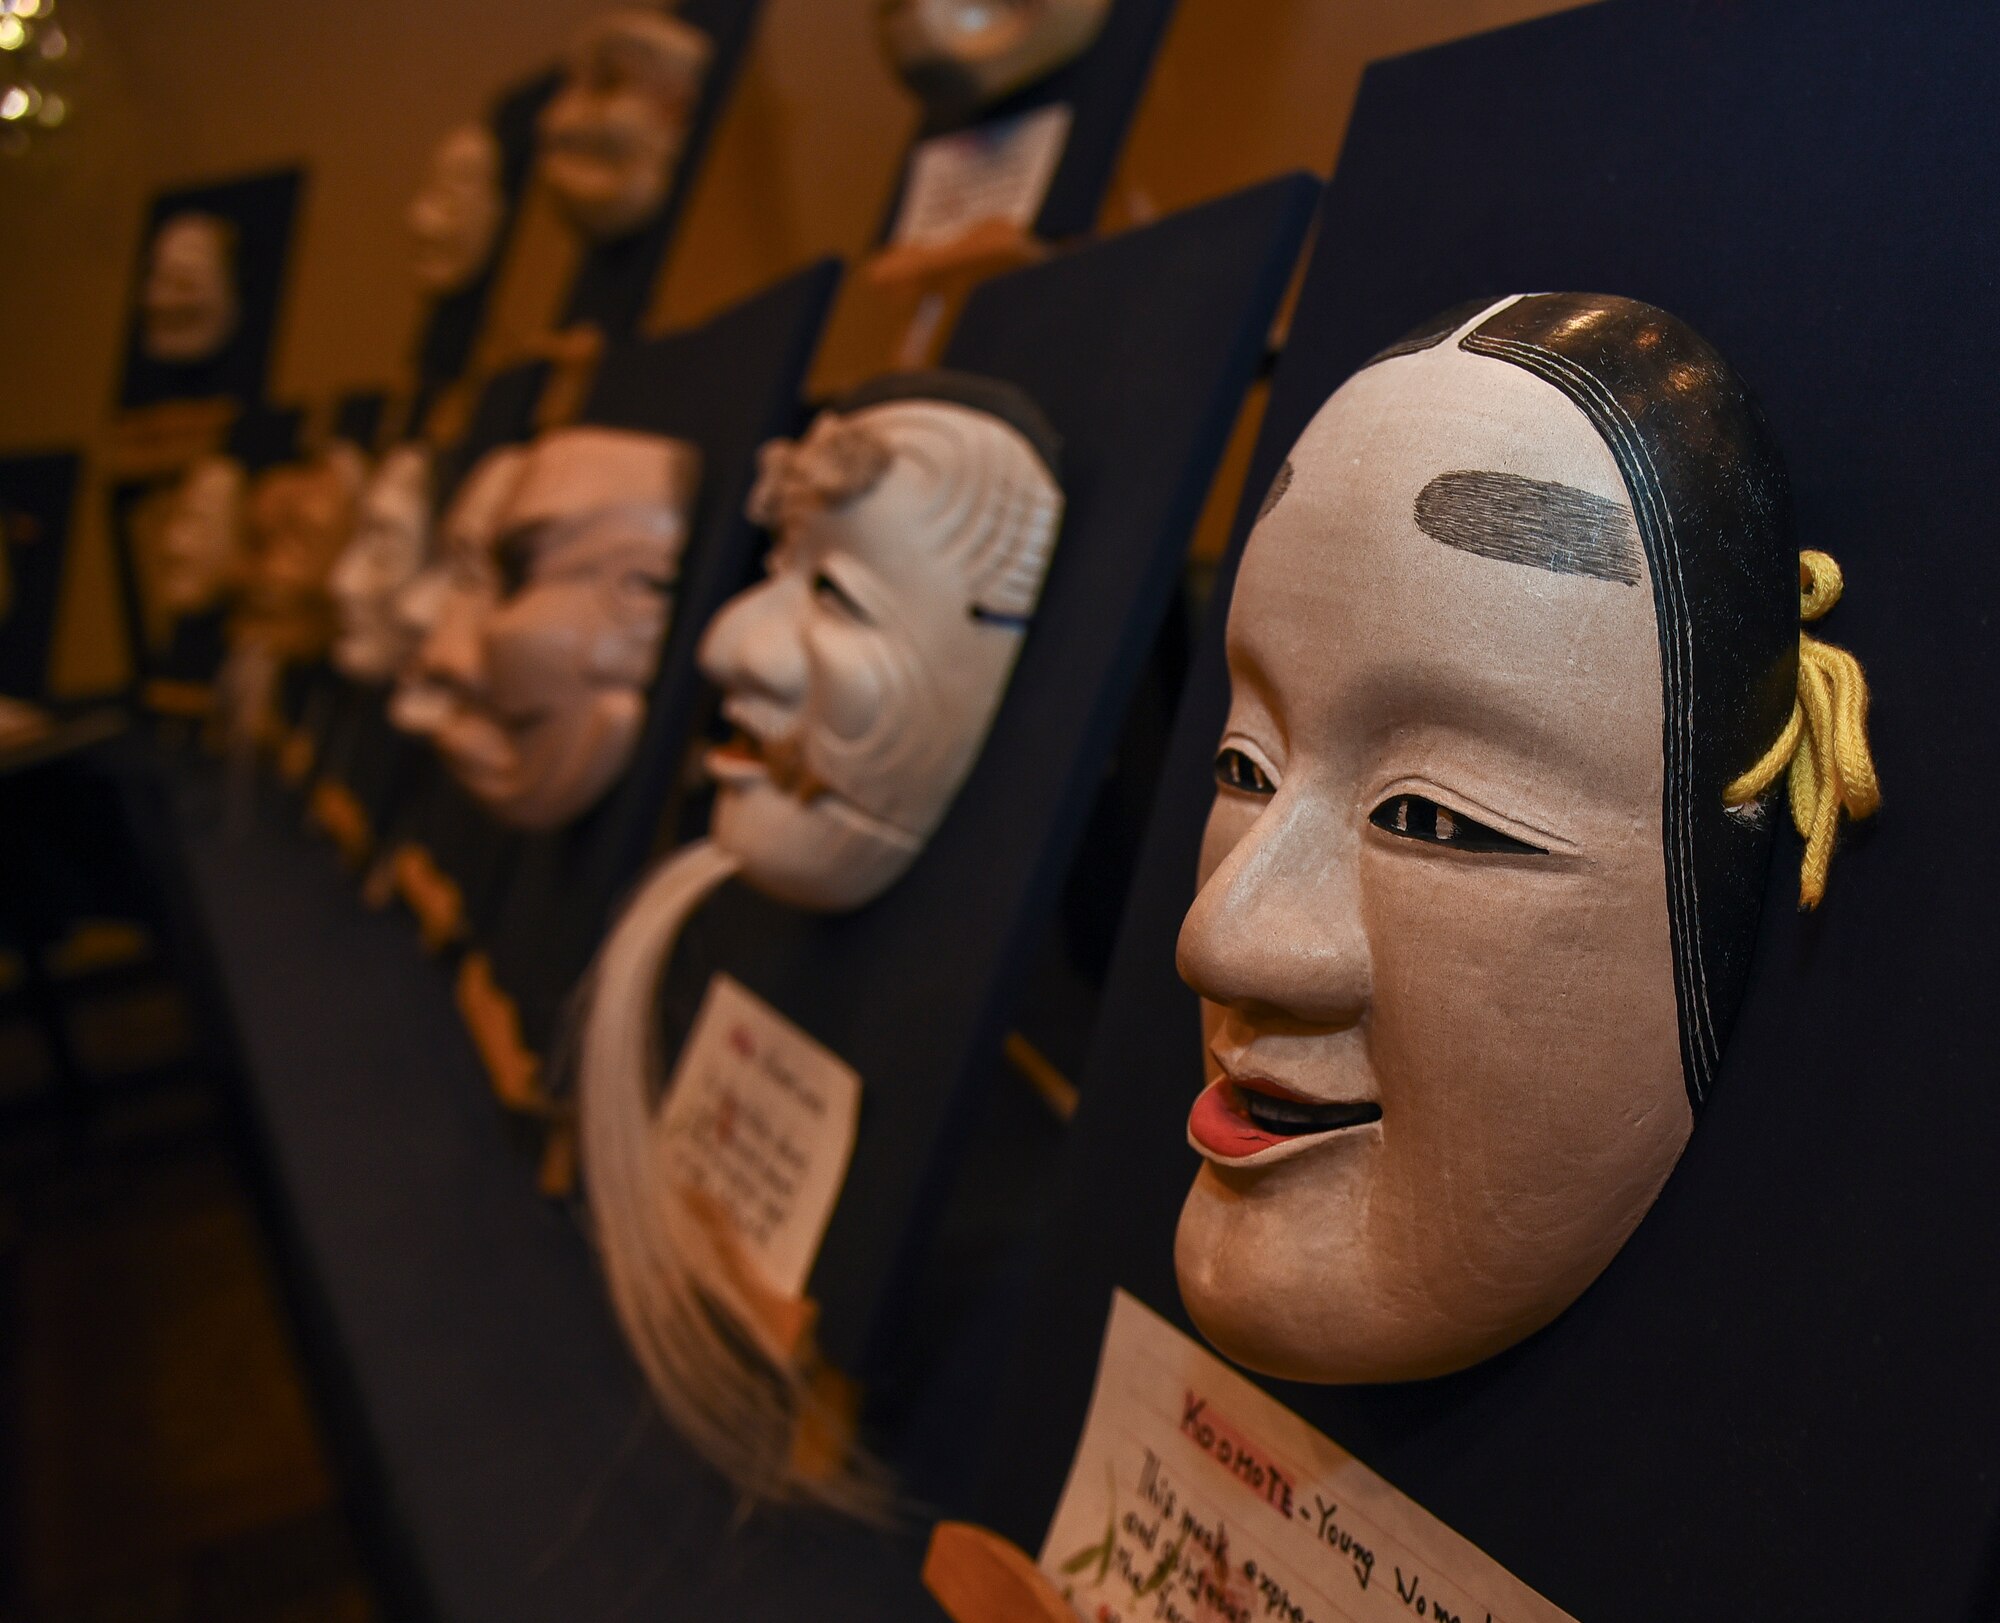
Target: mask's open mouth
746	758
1232	1122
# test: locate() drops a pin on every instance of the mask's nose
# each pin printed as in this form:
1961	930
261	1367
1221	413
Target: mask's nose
1277	931
756	645
453	652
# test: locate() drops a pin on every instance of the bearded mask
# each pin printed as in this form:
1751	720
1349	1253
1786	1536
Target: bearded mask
610	138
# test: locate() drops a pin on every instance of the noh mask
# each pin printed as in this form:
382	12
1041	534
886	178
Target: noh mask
299	517
541	652
914	527
1511	638
188	305
391	533
959	56
197	543
610	137
459	580
913	530
455	215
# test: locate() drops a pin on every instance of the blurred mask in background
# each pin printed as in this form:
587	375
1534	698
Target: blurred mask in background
188	305
455	215
391	534
611	136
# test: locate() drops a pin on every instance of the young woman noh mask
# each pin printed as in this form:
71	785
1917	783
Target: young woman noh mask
915	523
1474	917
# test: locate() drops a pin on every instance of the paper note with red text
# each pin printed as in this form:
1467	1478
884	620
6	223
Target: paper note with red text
1194	1497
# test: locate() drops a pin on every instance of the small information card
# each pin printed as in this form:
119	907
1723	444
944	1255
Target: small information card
761	1119
1195	1496
996	171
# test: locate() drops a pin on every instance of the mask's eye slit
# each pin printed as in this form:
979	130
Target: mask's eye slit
830	592
1415	817
1235	770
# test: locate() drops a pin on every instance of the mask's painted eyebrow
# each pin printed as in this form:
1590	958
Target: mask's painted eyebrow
1534	522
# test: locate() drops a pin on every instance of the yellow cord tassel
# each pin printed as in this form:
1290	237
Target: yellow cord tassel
1825	743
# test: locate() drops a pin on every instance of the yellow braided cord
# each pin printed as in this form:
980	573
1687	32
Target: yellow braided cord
1825	743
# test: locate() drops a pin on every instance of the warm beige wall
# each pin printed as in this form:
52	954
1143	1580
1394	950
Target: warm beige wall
358	91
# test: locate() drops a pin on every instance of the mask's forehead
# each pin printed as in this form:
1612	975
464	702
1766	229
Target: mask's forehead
1395	427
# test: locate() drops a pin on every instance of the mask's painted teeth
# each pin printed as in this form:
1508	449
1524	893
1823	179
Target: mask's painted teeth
1290	1117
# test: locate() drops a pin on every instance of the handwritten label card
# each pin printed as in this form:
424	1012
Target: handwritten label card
995	171
1194	1495
761	1119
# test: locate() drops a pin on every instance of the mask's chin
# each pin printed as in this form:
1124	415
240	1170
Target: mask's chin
821	854
549	771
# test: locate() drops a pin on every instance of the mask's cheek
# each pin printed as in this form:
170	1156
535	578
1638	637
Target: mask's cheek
852	680
1526	1046
1229	820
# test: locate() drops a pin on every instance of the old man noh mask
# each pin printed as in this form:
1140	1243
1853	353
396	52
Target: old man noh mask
543	665
914	525
962	55
188	304
611	136
1474	918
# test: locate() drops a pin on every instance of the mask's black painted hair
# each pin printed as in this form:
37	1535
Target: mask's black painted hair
1011	405
1715	516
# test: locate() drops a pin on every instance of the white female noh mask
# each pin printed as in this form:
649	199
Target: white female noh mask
610	137
962	55
456	213
914	530
1474	917
391	533
544	659
188	306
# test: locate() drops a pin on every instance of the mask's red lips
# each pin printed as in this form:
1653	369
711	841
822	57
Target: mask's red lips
1234	1120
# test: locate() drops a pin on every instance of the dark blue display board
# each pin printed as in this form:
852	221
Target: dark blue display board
1779	1399
37	496
262	210
1138	350
615	281
725	386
